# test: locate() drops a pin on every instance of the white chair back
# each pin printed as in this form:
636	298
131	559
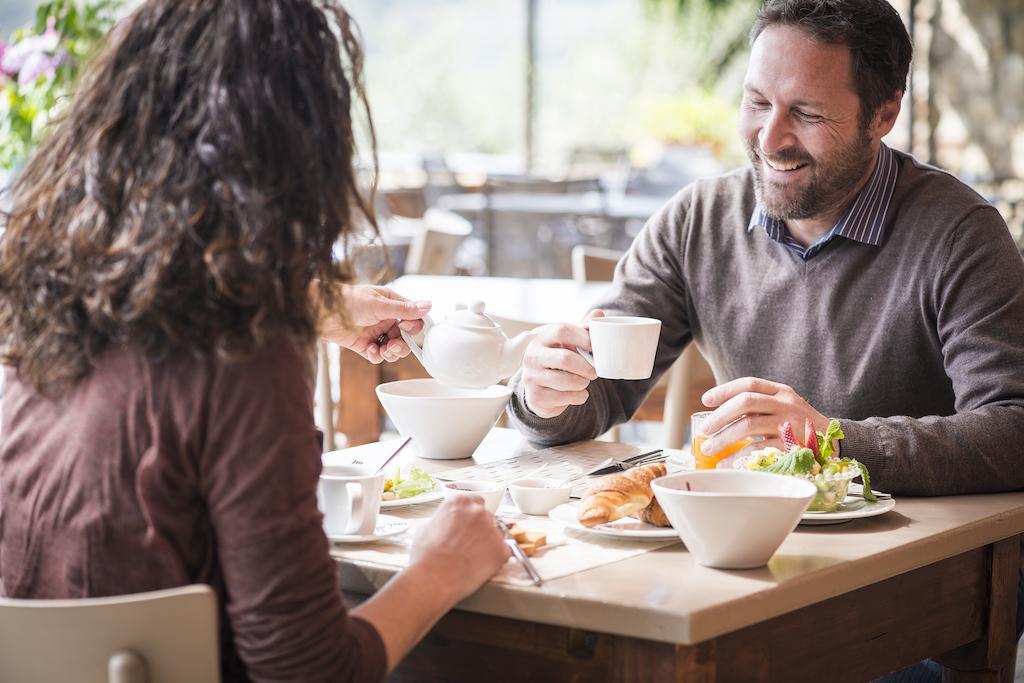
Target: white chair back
165	636
593	264
433	250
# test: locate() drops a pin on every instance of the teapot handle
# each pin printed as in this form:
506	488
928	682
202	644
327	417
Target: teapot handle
413	346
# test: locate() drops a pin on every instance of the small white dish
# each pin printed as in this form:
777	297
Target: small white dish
425	497
538	496
852	507
627	528
387	525
491	493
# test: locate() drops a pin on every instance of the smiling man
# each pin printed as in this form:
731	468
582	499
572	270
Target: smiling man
832	278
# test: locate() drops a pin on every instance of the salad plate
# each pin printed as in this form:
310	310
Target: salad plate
626	528
409	487
852	507
387	525
426	497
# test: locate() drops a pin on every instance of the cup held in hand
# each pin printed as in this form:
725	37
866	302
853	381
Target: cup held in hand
623	346
349	498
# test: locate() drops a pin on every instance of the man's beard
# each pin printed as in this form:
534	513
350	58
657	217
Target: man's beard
830	180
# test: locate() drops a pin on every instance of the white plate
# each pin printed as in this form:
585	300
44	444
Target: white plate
425	497
625	528
853	507
387	525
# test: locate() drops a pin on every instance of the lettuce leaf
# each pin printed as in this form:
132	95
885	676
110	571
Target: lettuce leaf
415	482
833	433
869	495
797	461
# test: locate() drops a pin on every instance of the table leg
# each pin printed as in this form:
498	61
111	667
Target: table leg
993	657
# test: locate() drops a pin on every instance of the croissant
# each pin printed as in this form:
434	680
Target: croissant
653	514
619	495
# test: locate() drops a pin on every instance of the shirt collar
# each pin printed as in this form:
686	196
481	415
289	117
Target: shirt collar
864	221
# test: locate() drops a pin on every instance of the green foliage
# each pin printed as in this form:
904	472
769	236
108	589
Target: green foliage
697	117
26	106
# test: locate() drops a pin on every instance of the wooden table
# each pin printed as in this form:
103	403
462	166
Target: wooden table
935	577
522	303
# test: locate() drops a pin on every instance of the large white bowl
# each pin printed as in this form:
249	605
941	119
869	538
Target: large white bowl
733	519
445	423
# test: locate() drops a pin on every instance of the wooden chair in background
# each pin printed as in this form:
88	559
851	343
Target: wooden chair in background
161	636
434	247
683	384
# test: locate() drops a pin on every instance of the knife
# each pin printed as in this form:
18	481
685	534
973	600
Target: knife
518	552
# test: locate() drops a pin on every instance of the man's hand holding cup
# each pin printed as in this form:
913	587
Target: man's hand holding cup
560	362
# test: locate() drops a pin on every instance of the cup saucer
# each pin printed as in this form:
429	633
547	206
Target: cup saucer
387	525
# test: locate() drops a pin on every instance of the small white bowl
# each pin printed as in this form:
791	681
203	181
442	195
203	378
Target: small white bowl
539	496
491	493
733	519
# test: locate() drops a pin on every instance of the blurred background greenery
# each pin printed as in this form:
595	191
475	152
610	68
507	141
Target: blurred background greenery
463	80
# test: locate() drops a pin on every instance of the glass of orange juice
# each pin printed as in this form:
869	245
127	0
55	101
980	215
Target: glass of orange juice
705	461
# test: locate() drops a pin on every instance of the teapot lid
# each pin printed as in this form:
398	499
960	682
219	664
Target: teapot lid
471	315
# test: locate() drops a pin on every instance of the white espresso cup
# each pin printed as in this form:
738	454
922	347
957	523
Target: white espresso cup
349	498
623	346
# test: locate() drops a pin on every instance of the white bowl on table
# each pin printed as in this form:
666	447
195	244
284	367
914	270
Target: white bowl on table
537	496
733	519
491	493
445	423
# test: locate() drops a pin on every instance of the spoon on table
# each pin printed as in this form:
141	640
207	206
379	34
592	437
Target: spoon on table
392	456
528	475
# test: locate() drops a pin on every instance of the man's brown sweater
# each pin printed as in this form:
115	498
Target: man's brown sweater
916	344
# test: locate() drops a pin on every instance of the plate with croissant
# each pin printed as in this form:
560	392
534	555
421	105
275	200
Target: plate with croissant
620	505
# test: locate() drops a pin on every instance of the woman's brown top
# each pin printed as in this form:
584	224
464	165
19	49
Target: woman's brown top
149	475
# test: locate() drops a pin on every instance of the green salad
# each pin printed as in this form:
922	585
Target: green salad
815	459
415	482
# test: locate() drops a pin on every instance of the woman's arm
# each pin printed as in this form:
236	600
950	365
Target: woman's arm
453	556
259	468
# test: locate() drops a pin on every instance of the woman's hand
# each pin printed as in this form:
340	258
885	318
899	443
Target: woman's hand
461	546
372	313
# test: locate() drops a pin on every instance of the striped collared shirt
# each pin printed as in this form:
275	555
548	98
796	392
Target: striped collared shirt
864	221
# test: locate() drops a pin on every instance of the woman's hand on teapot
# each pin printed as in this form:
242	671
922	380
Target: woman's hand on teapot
555	376
370	314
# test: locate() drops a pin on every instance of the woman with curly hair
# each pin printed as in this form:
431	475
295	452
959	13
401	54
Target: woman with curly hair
163	274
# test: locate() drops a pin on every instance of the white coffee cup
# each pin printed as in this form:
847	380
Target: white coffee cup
623	346
349	498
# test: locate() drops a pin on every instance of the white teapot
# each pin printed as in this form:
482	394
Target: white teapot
468	349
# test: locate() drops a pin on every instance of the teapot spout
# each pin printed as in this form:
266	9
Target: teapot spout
515	349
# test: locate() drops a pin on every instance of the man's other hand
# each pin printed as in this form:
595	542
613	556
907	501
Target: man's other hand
753	408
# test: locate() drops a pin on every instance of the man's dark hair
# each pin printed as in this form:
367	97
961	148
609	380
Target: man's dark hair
193	190
880	48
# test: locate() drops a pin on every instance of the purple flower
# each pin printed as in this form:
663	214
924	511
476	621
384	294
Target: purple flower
38	64
32	57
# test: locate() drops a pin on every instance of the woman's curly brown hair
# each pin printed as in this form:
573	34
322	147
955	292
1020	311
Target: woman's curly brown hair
191	193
